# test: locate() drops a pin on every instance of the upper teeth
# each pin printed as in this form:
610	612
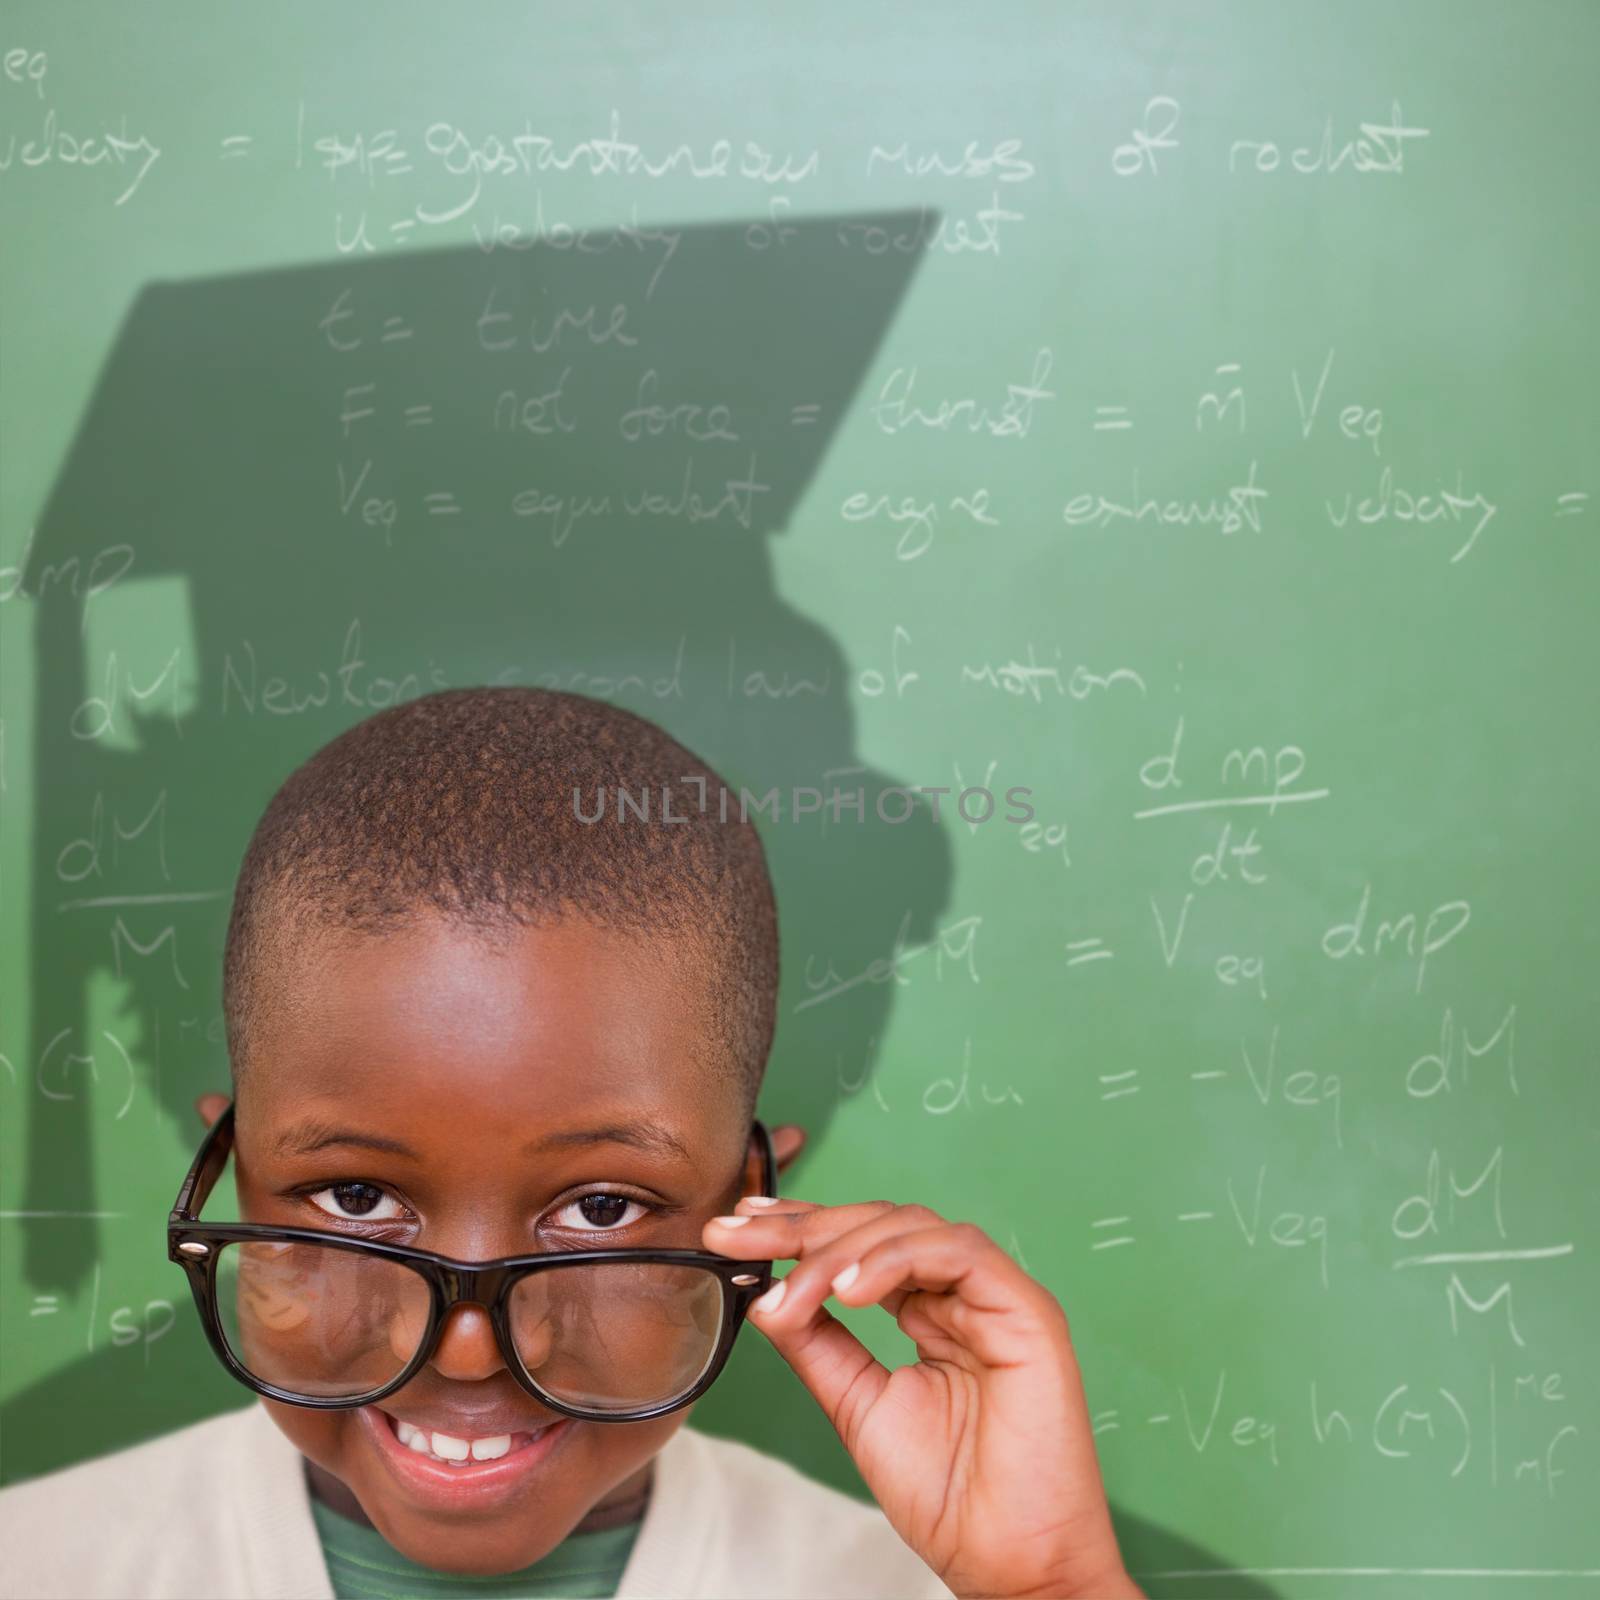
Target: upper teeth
446	1447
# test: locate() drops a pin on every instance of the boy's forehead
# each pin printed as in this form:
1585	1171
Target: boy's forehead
439	1132
544	1021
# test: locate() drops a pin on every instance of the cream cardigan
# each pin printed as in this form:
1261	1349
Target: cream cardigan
220	1509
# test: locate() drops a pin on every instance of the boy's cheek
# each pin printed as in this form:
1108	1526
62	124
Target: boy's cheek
337	1442
324	1437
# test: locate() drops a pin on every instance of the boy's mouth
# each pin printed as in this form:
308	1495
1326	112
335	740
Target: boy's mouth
455	1470
457	1451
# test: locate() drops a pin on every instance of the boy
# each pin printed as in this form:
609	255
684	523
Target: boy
463	1020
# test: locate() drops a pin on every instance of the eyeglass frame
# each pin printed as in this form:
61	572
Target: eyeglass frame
197	1247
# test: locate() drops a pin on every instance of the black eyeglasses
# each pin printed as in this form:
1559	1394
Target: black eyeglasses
323	1320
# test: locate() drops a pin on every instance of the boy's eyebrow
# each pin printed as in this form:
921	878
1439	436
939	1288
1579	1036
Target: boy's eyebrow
647	1136
303	1138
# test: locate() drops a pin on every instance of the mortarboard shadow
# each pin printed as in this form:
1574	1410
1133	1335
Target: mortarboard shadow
300	495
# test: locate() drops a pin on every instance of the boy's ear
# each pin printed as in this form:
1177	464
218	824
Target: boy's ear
210	1107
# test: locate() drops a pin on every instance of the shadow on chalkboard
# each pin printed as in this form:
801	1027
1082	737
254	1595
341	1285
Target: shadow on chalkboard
1165	1564
298	496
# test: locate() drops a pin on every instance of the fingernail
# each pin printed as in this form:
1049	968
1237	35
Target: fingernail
770	1300
731	1222
761	1199
847	1277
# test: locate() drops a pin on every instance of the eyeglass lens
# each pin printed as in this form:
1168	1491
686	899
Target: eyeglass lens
326	1324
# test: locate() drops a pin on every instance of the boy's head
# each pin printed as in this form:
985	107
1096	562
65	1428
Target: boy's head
463	1018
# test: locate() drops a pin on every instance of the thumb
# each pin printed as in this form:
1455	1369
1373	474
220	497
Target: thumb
826	1357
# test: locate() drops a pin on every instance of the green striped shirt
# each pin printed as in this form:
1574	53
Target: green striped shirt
363	1565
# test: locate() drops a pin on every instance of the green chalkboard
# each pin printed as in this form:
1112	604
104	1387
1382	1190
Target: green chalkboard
1186	414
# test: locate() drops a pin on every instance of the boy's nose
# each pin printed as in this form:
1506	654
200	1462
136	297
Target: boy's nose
467	1349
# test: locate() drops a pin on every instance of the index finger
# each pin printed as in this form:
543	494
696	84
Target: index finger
790	1229
758	1220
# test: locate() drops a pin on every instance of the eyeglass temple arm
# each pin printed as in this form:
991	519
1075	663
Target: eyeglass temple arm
207	1168
769	1159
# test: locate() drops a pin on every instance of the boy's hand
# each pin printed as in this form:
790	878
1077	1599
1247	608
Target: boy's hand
980	1452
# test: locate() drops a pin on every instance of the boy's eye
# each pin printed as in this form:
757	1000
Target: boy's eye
595	1213
357	1202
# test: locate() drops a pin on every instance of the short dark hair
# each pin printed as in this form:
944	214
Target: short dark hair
466	803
